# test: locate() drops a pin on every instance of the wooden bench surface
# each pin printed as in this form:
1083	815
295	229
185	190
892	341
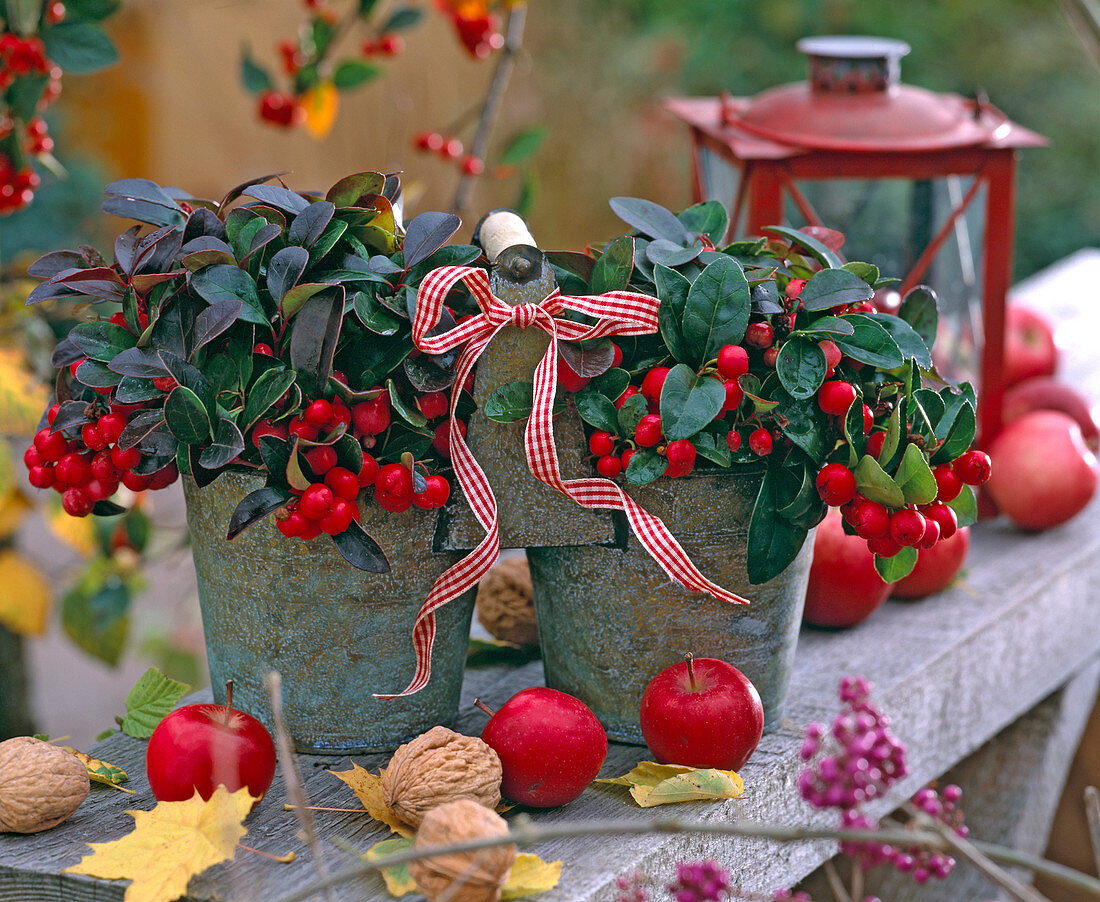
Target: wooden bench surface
952	671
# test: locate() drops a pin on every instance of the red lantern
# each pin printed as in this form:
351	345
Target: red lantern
897	168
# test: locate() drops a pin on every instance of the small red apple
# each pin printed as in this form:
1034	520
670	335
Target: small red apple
1043	474
1047	393
702	713
1030	346
199	747
936	567
550	745
844	587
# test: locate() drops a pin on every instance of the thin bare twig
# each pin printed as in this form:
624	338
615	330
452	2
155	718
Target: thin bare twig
1092	812
513	41
967	850
524	833
274	685
832	875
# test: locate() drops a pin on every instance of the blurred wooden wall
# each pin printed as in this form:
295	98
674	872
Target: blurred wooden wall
174	110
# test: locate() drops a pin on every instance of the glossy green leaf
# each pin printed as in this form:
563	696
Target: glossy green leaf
254	77
360	550
866	271
308	226
254	506
821	252
959	437
870	343
801	367
351	188
101	340
828	325
689	402
510	402
353	73
898	566
914	477
803	426
893	437
596	410
612	383
651	219
833	288
285	269
919	309
612	271
773	540
407	412
708	218
315	333
630	415
223	282
265	391
716	312
227	445
672	291
645	466
875	483
186	416
965	506
910	343
295	299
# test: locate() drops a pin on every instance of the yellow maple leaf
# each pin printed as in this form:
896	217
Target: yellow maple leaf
320	103
529	876
368	788
659	784
22	396
171	844
25	601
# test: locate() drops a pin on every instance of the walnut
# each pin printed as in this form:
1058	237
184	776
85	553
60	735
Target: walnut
505	603
40	785
475	876
437	767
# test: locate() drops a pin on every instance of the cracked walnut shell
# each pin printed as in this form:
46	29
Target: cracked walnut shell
505	603
40	785
474	876
437	767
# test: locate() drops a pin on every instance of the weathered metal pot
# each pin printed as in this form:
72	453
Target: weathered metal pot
336	634
610	619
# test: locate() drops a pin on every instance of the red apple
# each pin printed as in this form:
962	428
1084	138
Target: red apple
1047	393
936	567
199	747
1030	346
844	587
702	713
550	745
1043	473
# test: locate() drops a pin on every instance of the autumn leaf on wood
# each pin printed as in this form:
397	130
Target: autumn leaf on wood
25	599
659	784
368	788
171	844
101	771
530	875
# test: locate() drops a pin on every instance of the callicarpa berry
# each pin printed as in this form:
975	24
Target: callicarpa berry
699	881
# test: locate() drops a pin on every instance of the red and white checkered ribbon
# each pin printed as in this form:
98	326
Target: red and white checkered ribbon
618	313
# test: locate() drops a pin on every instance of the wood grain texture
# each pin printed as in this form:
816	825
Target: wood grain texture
953	671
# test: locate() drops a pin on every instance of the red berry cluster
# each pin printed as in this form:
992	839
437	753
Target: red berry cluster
919	526
21	57
477	28
89	469
385	45
449	148
281	109
17	186
330	504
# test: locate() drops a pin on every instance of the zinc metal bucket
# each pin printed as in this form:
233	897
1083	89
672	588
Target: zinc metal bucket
610	619
336	634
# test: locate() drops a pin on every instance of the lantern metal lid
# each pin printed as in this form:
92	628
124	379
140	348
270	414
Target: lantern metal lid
770	158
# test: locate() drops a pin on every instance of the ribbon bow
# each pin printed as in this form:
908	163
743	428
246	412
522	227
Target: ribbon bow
617	313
